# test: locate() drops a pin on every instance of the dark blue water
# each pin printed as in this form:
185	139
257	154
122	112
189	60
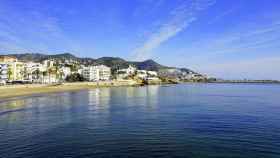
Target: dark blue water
192	120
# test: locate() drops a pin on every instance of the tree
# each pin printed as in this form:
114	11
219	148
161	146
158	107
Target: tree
60	75
56	72
75	78
45	73
74	68
37	74
10	73
49	73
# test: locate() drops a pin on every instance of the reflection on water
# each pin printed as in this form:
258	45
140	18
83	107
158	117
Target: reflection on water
201	120
99	99
143	96
96	99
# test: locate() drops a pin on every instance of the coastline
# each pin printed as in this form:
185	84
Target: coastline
11	91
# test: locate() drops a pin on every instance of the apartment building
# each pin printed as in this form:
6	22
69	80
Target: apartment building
66	71
123	73
104	72
3	72
142	74
16	70
32	71
97	73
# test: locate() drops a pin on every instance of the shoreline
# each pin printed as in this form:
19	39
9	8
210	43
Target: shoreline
11	91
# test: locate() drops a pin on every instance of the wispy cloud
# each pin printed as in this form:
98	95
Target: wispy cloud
31	31
180	18
243	52
222	15
236	41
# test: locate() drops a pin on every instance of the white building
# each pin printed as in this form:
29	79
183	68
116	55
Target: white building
48	63
147	75
90	73
152	76
191	75
66	71
152	73
104	72
32	71
3	72
12	68
96	73
142	74
170	73
17	71
130	70
123	73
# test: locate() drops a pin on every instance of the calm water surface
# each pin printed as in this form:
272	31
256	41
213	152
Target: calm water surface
192	120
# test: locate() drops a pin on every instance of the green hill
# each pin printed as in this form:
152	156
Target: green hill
113	62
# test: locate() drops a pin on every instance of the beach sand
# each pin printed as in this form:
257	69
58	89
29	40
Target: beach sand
30	89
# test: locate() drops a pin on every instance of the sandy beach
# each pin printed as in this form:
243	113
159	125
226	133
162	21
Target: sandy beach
9	91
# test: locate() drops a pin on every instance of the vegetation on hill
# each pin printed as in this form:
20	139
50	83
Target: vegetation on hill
149	65
113	62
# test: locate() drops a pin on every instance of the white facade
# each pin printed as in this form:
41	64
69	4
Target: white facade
96	73
153	79
90	73
104	72
147	75
50	78
32	71
66	71
130	70
48	63
3	72
152	73
142	74
123	73
152	76
17	69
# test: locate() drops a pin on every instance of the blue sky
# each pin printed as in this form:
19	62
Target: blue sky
229	39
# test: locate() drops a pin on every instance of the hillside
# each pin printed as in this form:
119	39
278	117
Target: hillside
149	65
37	57
113	62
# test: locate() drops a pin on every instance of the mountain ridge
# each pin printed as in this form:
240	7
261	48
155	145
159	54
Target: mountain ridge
113	62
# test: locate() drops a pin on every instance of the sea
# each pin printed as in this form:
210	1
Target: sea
184	120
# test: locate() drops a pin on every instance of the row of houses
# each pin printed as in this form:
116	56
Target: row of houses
48	71
182	75
13	70
52	71
132	71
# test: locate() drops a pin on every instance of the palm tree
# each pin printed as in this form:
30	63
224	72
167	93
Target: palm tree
10	73
56	72
61	73
45	73
49	73
37	73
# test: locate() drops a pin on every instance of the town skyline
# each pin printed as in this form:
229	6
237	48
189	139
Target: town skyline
207	36
60	68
